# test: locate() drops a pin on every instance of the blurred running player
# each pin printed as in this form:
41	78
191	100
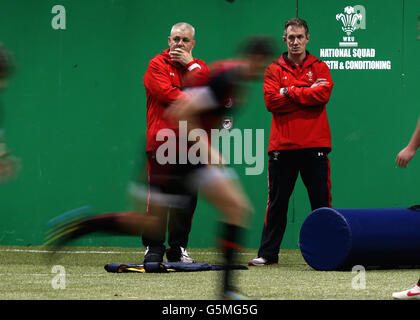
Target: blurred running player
202	110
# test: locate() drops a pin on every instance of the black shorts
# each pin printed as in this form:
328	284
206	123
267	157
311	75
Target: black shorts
172	178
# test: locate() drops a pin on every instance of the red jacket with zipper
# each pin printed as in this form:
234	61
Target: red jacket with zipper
299	120
164	81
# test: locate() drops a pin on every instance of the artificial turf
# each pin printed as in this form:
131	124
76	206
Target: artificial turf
26	273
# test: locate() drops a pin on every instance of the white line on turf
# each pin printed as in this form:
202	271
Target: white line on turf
48	274
68	251
99	252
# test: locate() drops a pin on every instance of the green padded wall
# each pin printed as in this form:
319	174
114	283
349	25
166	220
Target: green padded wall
75	109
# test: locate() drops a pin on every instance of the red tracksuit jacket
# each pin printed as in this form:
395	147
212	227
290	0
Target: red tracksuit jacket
164	80
300	120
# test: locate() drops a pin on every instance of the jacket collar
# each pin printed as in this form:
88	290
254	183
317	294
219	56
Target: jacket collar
287	63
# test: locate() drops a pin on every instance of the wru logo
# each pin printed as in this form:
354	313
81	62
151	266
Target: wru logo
349	19
352	19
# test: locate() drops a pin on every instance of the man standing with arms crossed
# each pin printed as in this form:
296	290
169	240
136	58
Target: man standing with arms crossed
167	75
296	89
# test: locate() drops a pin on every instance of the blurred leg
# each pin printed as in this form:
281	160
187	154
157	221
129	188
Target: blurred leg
227	196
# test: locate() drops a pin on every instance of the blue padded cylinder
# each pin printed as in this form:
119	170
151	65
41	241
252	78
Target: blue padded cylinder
337	239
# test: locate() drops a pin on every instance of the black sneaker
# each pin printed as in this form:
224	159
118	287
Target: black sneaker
154	254
173	254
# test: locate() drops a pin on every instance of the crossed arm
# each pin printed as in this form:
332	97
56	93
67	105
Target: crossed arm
299	94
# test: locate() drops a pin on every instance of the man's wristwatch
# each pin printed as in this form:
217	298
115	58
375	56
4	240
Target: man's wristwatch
284	91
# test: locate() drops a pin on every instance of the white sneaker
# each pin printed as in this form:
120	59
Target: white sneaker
260	261
185	256
178	254
411	294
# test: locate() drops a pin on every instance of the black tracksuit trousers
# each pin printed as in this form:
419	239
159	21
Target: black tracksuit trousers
284	167
172	179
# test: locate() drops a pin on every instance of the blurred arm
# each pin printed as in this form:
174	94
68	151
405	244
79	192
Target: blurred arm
198	74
